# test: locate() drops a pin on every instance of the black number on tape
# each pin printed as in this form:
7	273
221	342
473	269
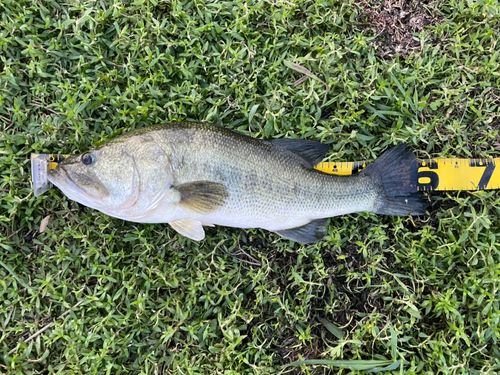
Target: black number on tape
417	175
487	173
432	176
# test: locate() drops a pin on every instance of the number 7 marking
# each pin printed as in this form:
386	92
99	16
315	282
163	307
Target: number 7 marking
487	173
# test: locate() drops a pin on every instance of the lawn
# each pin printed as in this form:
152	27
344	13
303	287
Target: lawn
91	294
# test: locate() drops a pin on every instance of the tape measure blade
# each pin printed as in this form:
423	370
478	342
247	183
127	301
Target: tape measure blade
493	171
338	168
441	174
458	174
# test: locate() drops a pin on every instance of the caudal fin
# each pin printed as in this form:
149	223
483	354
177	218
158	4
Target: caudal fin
393	170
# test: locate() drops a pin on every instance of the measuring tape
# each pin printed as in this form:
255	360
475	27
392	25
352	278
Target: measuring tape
437	174
426	175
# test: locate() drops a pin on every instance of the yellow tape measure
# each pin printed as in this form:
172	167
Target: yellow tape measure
426	175
437	174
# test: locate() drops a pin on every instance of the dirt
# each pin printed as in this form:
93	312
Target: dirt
394	23
355	297
291	350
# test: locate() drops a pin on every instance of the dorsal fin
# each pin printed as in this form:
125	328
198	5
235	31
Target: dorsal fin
311	151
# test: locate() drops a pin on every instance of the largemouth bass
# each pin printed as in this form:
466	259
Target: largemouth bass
192	175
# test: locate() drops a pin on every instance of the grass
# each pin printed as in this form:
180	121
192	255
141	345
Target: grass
122	298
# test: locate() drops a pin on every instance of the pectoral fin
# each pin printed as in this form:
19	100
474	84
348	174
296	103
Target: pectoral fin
189	228
202	196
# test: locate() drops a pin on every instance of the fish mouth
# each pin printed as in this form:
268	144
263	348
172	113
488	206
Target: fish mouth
61	178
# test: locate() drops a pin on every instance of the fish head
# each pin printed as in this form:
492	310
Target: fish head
122	179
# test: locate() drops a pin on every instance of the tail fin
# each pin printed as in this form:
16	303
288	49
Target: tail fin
393	170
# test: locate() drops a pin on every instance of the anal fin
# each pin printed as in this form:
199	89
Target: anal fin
189	228
313	231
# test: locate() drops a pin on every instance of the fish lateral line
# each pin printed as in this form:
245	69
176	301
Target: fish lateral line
437	174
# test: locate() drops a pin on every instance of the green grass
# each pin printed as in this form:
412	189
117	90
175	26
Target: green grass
128	298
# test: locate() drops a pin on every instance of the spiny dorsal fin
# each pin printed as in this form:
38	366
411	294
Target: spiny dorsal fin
311	151
313	231
189	228
202	196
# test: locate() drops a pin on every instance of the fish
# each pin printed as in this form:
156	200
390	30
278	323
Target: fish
192	175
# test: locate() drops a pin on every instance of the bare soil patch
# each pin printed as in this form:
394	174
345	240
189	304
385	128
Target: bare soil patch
395	23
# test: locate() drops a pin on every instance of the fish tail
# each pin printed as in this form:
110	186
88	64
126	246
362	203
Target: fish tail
399	195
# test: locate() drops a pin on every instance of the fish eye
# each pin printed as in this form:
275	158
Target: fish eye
87	159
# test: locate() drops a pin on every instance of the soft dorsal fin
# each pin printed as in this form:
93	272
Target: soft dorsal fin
313	231
202	196
311	151
189	228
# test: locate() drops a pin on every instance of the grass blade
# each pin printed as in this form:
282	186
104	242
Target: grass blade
308	73
252	113
352	365
303	70
337	332
391	367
